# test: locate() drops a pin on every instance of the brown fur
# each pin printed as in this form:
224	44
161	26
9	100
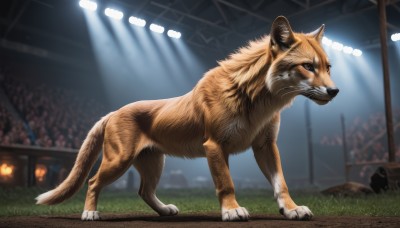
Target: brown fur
234	106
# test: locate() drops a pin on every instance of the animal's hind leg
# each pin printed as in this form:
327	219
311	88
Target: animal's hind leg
150	164
112	167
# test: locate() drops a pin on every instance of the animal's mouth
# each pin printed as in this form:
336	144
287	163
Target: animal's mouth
316	99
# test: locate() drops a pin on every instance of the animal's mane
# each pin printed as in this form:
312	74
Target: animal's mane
246	69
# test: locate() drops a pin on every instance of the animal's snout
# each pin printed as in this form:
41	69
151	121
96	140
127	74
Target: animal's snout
332	91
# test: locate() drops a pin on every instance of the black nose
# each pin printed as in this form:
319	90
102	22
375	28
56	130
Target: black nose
332	91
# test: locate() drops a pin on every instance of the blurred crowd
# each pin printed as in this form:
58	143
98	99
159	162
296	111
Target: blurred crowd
366	139
12	130
49	117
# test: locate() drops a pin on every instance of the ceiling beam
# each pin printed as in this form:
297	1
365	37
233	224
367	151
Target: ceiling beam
204	21
42	33
311	7
26	49
16	18
189	11
305	5
249	12
221	12
141	7
362	10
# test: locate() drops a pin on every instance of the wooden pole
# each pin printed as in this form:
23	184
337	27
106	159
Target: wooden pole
310	145
31	171
386	79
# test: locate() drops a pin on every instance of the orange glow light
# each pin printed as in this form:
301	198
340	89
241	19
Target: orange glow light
6	170
40	172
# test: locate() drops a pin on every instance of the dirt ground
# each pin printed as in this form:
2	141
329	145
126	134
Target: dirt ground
195	220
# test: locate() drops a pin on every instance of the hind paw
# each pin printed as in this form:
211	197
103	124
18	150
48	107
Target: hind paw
90	216
168	210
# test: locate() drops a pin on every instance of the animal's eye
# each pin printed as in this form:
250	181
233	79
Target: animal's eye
308	66
328	68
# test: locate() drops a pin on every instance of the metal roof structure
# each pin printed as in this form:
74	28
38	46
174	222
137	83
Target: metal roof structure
57	28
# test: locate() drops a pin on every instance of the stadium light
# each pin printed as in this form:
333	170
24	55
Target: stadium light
137	21
174	34
113	13
357	52
347	50
89	5
326	41
395	37
157	28
337	46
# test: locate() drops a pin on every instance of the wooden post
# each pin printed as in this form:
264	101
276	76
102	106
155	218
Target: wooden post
345	159
310	145
386	80
31	171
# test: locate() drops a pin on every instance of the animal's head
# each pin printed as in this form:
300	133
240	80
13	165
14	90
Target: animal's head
299	64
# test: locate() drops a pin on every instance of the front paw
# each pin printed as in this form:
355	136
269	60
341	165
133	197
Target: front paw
235	214
298	213
90	215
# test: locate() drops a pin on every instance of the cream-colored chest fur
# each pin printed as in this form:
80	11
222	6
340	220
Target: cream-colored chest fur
240	133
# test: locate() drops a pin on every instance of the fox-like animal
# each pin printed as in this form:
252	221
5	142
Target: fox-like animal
235	106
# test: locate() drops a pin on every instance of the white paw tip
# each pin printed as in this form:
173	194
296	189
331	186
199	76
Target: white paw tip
90	215
236	214
298	213
169	210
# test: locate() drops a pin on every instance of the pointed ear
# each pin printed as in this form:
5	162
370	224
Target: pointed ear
282	36
318	34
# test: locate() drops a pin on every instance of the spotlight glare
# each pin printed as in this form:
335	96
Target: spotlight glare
357	52
89	5
113	13
137	21
337	46
347	50
174	34
326	41
395	37
157	28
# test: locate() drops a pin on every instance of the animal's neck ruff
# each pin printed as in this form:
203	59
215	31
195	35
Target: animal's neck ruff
246	73
248	67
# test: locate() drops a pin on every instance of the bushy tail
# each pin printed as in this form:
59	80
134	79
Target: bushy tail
87	156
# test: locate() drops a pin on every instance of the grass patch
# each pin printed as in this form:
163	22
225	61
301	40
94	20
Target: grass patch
20	201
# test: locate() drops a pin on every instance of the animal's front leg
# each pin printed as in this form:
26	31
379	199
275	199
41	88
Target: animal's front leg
269	161
218	163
